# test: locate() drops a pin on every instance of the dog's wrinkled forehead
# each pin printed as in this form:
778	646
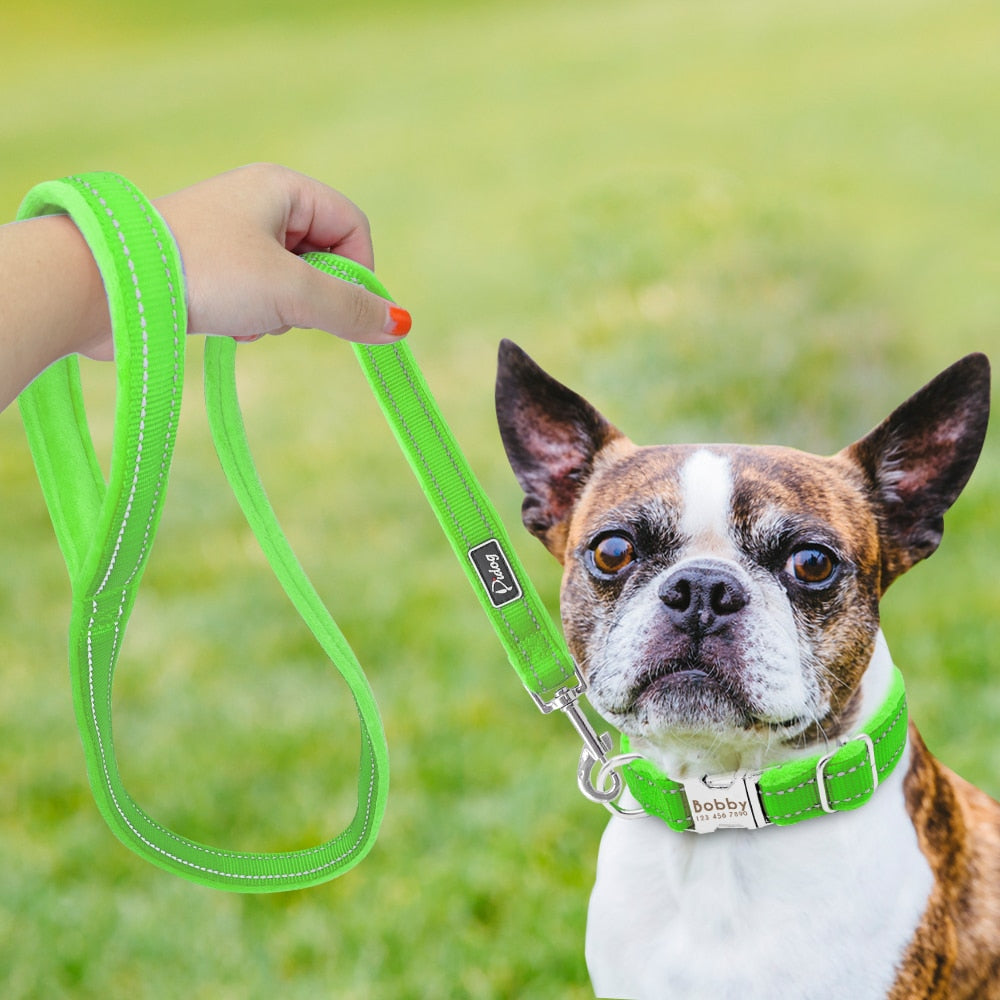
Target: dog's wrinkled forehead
717	497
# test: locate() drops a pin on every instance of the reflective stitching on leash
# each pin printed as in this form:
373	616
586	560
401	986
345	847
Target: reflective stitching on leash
141	453
443	498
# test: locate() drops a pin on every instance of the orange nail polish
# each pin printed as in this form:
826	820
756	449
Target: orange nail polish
399	323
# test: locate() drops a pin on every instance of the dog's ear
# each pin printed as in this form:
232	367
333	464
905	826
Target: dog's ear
551	436
920	457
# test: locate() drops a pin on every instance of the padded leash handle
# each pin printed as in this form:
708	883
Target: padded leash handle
106	530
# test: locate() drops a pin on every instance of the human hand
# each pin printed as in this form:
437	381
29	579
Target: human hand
240	235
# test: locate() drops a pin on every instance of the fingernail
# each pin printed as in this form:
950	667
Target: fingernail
399	322
249	339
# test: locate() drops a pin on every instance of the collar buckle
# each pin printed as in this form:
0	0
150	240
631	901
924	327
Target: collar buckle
824	797
725	801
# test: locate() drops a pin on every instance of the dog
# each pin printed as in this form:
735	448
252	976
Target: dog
722	604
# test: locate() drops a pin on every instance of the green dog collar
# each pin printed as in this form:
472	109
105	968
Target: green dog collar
837	781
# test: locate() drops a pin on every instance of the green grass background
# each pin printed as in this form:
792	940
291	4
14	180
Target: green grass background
766	220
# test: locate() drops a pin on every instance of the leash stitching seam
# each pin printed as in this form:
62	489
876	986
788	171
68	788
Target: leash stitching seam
154	506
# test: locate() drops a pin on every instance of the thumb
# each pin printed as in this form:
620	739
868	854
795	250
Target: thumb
348	310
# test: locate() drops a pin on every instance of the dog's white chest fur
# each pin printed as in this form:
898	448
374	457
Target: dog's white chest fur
820	911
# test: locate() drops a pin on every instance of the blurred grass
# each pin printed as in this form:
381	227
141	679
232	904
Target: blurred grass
752	221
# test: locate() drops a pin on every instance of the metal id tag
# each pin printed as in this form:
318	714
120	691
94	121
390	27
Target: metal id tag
725	801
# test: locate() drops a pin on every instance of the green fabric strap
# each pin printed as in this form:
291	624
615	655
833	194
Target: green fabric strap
533	642
790	792
106	531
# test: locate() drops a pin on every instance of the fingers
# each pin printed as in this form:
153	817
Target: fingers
346	310
321	218
240	235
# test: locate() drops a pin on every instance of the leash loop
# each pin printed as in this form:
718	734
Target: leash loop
106	529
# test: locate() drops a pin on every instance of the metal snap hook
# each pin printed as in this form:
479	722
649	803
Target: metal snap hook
608	786
585	771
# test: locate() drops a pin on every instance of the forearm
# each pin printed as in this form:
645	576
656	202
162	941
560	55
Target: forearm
52	300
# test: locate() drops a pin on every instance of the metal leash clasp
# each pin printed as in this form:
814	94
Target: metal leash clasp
596	749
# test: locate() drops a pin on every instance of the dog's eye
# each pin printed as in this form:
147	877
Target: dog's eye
612	553
811	565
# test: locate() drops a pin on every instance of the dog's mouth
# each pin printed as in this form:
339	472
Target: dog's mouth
675	684
695	692
670	677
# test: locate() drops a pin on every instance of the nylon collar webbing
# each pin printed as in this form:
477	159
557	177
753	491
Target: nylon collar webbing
787	793
106	530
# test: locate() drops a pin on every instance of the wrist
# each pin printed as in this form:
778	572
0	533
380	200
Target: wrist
67	296
54	300
87	319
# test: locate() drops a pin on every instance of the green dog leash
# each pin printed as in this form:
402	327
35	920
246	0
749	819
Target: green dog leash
106	530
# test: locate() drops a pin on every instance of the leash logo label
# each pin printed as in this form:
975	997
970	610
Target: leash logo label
498	579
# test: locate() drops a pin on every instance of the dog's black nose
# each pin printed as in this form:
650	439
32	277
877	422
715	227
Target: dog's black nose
702	597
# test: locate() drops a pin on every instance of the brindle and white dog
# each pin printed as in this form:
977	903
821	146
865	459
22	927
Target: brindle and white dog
723	603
